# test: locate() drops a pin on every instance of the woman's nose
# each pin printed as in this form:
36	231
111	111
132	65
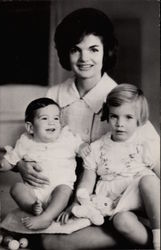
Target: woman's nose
83	55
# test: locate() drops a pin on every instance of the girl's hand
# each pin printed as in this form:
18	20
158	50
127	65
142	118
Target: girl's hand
84	149
30	173
66	214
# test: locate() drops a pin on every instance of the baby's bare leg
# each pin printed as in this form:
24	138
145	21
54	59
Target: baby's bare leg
24	196
59	200
37	207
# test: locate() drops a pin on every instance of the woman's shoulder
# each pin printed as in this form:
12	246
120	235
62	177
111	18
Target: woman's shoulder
59	91
62	85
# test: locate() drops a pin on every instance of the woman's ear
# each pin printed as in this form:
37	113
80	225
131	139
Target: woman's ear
29	127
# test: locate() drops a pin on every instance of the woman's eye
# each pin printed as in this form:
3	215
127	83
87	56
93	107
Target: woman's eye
73	50
94	50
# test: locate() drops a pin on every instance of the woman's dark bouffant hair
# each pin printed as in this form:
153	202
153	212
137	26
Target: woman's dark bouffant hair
35	105
82	22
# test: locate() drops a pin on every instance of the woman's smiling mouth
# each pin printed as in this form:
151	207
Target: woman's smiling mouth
85	66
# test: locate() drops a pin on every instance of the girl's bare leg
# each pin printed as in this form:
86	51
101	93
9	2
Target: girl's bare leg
59	200
131	228
150	193
128	224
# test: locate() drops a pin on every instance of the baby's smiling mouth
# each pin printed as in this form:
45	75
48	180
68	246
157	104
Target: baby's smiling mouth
50	129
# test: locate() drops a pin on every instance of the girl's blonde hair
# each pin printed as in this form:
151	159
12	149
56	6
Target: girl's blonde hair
127	93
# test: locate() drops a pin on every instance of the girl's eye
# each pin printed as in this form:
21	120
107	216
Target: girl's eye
56	118
113	116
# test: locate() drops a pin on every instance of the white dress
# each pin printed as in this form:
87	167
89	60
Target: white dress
120	165
57	159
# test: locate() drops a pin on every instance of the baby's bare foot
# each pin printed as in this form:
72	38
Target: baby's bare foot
37	208
36	222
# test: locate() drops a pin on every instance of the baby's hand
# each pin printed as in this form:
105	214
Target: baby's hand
84	149
5	165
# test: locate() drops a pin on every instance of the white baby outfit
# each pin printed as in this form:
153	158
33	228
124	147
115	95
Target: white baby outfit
57	159
120	165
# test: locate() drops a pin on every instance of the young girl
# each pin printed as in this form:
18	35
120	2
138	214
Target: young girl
125	163
54	148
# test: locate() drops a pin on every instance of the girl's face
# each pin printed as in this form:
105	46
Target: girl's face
123	121
46	125
86	57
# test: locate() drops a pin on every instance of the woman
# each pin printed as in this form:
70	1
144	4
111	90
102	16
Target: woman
86	44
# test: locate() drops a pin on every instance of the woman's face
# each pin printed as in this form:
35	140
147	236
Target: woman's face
86	57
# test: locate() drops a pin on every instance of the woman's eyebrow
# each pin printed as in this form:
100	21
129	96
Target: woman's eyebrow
95	45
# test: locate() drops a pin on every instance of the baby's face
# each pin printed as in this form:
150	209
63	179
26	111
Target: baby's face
46	125
123	121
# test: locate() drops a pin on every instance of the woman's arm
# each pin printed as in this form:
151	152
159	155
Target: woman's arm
29	170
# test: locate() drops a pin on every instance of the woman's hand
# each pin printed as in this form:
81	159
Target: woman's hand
30	173
66	214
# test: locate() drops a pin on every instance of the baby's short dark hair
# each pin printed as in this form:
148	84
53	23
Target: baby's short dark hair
76	25
35	105
127	93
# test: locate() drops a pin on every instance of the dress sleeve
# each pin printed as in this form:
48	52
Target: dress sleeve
91	161
15	154
151	153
